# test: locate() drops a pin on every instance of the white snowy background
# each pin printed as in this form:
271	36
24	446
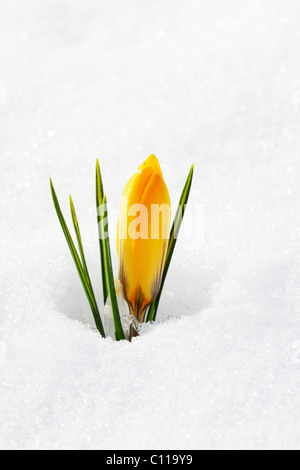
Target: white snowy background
210	82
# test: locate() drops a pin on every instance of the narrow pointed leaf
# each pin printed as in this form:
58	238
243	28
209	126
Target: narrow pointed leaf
79	239
78	263
110	277
82	255
152	311
99	202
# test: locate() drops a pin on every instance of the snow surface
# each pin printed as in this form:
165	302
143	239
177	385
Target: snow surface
208	82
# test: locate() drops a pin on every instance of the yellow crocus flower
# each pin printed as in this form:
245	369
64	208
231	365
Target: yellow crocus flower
143	234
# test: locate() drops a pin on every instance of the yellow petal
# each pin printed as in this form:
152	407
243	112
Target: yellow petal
153	163
141	258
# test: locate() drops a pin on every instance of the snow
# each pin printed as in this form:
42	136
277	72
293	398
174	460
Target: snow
212	83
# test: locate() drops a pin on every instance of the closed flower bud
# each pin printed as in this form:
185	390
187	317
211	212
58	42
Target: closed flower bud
143	235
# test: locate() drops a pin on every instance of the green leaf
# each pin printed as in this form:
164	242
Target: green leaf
99	202
81	251
152	311
79	240
79	266
109	271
